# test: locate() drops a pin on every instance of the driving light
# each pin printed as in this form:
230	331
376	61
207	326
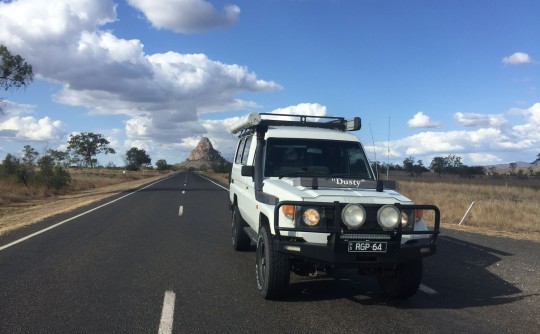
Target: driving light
288	211
388	217
353	216
311	217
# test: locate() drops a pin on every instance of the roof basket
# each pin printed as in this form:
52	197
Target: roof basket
256	120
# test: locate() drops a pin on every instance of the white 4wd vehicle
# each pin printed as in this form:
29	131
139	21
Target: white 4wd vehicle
302	189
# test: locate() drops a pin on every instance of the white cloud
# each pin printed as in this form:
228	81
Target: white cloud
481	159
15	126
473	119
218	131
186	16
422	121
29	128
486	145
517	58
10	108
162	93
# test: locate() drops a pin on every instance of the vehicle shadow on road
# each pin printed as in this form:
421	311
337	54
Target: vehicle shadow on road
461	275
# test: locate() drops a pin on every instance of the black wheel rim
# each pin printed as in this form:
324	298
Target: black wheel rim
233	228
261	250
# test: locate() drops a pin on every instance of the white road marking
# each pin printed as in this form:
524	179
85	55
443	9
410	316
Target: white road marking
183	192
181	210
167	313
217	184
75	217
427	289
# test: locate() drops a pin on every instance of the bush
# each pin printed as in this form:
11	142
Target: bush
52	175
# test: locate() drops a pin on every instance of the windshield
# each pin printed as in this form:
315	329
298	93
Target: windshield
312	157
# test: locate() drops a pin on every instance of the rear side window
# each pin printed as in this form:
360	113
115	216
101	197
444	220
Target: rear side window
239	150
242	152
246	151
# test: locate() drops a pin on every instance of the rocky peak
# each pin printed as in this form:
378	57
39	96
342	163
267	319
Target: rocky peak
204	155
204	151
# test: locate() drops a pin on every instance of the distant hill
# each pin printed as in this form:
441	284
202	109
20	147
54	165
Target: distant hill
204	156
519	164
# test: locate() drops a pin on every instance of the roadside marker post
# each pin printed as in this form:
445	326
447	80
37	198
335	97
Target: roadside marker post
466	213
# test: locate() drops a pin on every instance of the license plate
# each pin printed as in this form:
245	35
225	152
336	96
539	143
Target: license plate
367	246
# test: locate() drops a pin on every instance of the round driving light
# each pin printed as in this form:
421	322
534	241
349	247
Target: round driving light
388	217
311	217
353	216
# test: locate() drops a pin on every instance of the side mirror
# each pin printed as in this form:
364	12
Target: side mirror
247	171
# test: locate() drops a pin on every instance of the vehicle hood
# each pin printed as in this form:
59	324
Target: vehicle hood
289	189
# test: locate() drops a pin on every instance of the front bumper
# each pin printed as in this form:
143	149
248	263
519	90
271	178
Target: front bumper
336	253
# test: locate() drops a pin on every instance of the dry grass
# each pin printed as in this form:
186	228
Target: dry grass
81	179
21	206
508	210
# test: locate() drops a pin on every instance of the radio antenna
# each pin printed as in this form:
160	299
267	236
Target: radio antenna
374	153
388	145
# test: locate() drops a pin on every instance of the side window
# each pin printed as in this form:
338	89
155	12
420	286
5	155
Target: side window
239	151
246	150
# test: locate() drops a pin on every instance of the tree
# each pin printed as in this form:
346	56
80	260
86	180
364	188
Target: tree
408	165
513	167
453	164
136	159
14	71
87	145
60	158
51	173
437	165
162	165
419	168
537	159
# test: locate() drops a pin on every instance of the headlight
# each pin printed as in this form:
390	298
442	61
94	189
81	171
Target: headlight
311	217
388	217
353	216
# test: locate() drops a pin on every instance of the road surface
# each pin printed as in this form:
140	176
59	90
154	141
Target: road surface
160	260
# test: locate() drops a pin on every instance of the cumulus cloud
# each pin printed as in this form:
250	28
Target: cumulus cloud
186	16
162	94
29	128
473	119
15	126
218	131
517	58
485	145
422	121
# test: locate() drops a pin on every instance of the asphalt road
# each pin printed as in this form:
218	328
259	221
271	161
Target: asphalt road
160	259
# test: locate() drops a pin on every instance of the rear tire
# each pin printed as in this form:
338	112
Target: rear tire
404	282
272	268
240	240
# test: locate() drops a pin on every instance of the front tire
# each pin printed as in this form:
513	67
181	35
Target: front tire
240	240
405	280
272	268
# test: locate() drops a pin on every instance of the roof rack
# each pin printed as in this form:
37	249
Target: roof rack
254	120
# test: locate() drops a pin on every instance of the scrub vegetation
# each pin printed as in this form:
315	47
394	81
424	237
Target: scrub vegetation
497	208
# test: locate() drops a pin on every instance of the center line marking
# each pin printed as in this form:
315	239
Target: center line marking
167	313
181	210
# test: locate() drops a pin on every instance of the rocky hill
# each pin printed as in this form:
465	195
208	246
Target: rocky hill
204	156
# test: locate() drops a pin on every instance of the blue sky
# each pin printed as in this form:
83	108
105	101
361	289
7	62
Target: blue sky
451	77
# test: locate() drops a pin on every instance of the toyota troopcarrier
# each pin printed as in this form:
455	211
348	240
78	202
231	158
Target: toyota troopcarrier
302	189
